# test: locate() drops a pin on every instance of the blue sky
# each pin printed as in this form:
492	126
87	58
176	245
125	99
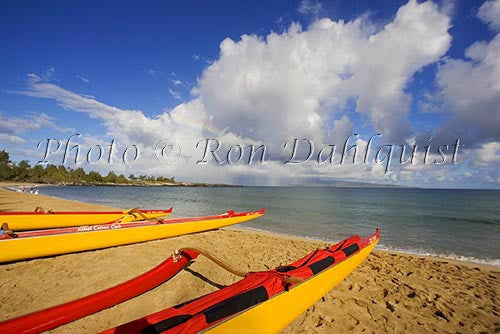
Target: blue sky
163	66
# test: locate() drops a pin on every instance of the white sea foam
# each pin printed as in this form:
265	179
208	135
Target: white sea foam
17	189
418	252
450	256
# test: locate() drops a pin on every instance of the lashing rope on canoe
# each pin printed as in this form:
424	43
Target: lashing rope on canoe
224	265
141	214
136	211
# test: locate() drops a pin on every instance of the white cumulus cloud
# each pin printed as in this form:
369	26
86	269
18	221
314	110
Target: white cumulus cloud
296	80
488	153
489	13
470	91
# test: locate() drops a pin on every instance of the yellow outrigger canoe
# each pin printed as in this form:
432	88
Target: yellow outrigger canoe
32	244
41	219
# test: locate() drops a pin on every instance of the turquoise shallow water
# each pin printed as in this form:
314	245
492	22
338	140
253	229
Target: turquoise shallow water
463	224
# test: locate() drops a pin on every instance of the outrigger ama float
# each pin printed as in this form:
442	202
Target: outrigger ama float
261	302
31	244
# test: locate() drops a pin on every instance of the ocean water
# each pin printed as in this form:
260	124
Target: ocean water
460	224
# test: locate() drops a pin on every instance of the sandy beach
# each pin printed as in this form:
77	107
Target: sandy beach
390	292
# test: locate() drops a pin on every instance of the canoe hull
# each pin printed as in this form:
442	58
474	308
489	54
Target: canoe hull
41	246
22	221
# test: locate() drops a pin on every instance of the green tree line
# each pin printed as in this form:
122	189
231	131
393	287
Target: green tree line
24	172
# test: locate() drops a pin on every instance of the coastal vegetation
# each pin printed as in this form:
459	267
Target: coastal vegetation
52	174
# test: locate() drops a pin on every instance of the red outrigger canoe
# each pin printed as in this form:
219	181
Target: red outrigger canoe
263	301
32	244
